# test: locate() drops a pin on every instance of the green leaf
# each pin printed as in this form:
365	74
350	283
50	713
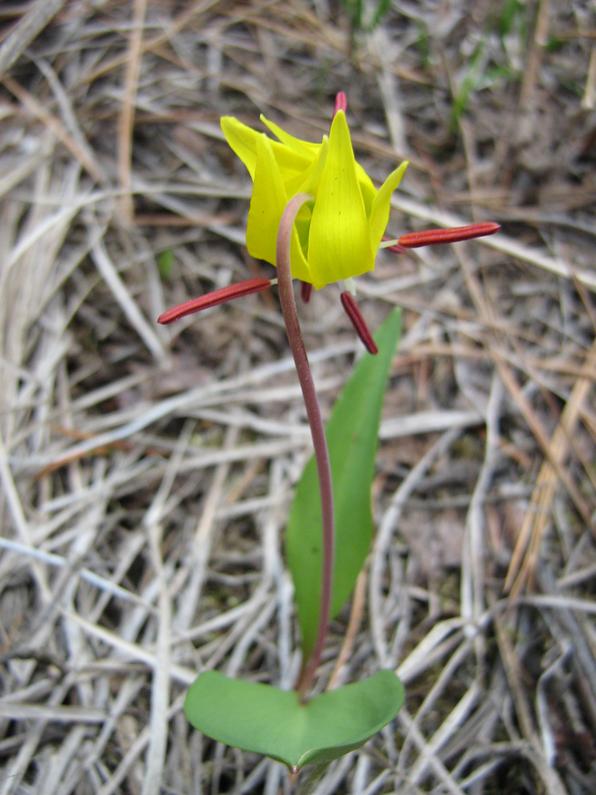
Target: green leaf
511	12
165	263
554	44
382	8
266	720
468	85
354	10
352	436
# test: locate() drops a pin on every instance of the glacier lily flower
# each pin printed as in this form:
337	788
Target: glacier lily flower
337	233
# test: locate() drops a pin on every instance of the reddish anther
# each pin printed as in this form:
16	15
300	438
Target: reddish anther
353	312
341	101
396	248
305	291
432	237
214	298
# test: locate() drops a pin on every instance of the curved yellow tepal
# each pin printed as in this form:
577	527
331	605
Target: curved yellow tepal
379	216
339	241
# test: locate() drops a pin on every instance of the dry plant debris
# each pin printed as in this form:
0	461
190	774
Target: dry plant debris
145	472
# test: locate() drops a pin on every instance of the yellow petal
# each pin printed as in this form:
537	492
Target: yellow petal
269	199
379	216
310	150
306	149
243	141
367	188
339	242
298	264
267	203
308	181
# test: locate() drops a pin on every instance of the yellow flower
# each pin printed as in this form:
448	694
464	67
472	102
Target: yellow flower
337	234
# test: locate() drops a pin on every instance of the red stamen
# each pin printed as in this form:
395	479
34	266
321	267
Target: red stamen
431	237
341	102
214	298
305	291
353	312
396	248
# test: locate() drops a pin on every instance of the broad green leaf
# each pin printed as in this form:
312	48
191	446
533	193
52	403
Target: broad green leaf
266	720
352	436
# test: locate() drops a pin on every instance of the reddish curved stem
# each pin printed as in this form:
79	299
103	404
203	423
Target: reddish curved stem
317	429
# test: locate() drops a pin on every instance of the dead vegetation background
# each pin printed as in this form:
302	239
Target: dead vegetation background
146	472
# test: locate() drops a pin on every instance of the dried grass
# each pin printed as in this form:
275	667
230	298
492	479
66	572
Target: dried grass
146	472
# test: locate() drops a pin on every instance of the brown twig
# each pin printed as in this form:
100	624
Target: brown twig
127	110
